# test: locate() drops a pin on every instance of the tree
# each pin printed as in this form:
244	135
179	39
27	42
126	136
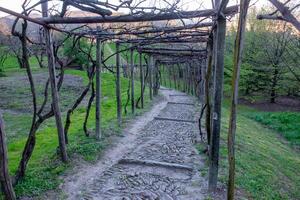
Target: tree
5	179
270	67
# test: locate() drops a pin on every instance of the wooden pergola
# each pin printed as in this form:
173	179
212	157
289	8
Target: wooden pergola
199	51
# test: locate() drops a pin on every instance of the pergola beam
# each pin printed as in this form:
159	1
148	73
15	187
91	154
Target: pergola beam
153	52
154	30
138	18
173	50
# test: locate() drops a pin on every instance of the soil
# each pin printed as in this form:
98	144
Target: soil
155	159
282	104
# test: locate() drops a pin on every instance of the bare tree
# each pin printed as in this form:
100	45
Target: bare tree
286	13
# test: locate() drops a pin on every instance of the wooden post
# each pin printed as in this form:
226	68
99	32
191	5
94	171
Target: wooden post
54	91
195	79
188	79
164	75
217	104
202	88
208	90
132	81
237	59
151	78
142	79
156	78
178	75
183	78
174	76
5	180
118	86
170	76
98	88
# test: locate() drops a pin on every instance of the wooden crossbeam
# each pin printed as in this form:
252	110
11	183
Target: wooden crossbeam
138	18
153	52
173	50
154	30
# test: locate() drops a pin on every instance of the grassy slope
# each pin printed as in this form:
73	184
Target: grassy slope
267	167
44	166
286	123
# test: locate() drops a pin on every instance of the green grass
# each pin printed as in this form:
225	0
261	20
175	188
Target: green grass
44	167
286	123
266	167
12	63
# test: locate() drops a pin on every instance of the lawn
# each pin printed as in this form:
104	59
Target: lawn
43	177
285	123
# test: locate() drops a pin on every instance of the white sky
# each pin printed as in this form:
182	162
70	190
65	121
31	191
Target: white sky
15	5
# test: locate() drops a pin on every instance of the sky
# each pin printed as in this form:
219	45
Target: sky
15	5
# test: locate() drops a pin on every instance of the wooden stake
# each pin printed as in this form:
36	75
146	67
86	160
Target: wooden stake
151	78
217	104
237	59
98	88
54	91
118	86
142	79
132	81
5	180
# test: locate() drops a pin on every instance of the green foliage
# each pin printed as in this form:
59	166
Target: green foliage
75	50
270	61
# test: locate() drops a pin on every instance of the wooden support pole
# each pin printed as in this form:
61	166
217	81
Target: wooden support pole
184	78
142	79
132	81
217	104
156	78
202	89
208	90
118	86
170	76
54	90
5	180
174	76
237	60
151	78
194	80
178	75
137	18
98	88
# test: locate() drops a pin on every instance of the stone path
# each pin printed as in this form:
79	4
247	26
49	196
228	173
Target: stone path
161	162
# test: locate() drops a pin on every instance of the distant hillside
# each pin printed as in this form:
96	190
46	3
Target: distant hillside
8	21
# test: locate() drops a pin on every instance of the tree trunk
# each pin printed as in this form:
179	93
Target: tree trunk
5	179
274	85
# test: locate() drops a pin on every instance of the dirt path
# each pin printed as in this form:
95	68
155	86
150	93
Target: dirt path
155	159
